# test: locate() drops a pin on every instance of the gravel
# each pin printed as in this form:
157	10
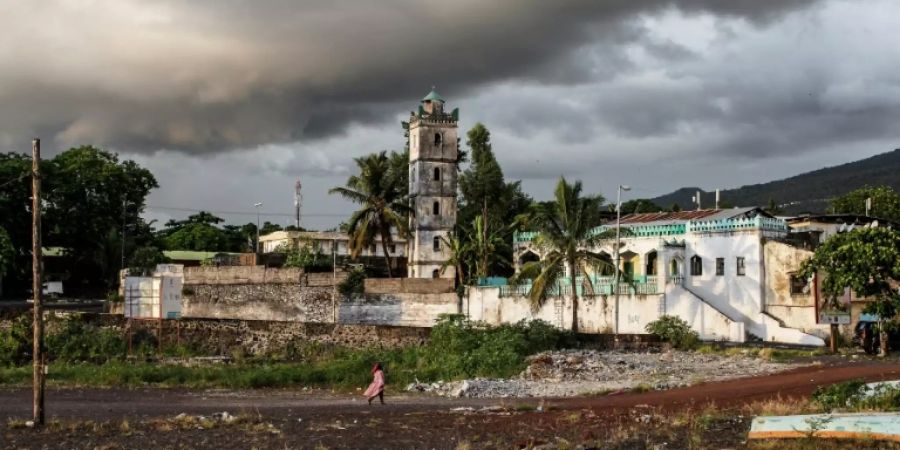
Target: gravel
571	373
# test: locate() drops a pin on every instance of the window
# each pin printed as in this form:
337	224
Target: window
437	244
720	267
696	266
437	138
741	269
437	174
799	285
372	249
393	248
436	208
435	273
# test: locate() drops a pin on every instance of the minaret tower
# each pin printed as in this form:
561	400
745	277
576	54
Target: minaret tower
433	156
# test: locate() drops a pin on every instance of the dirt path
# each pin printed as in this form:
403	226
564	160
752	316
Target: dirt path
339	421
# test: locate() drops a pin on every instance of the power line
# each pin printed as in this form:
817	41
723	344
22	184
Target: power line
20	178
239	213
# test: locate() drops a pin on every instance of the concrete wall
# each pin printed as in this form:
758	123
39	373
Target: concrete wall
793	310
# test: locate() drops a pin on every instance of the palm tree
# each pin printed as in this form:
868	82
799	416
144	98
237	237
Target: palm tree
565	238
460	256
380	191
486	246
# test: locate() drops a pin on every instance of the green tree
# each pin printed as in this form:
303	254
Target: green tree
565	238
774	208
201	233
145	259
15	216
485	193
639	205
7	256
460	257
866	260
885	202
306	255
383	209
488	248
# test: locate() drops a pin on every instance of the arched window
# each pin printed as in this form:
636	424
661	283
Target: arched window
435	273
437	174
696	266
437	138
436	208
436	244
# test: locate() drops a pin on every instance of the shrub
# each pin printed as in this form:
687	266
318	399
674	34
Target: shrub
674	330
16	342
78	341
354	284
839	395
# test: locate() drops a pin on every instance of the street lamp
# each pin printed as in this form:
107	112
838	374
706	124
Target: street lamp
257	205
618	224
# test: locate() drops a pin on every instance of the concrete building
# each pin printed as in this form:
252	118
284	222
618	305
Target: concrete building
325	242
823	226
433	158
708	267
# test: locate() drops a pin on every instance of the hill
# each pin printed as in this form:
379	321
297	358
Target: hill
808	192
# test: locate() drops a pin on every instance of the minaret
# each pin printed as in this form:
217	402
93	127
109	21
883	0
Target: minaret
432	186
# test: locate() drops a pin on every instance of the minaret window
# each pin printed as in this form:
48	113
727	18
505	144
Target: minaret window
437	244
437	138
437	174
436	209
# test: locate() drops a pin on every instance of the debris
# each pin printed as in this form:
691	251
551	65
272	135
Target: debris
569	373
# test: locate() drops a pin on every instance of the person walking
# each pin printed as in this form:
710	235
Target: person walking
376	389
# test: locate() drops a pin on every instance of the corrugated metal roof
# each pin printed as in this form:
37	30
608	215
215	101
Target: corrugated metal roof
668	217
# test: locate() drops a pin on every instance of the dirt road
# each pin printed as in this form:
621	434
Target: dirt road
306	420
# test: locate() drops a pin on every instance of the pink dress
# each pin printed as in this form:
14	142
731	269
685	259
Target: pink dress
377	385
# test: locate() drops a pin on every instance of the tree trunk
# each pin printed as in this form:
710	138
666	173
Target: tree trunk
387	256
883	351
574	296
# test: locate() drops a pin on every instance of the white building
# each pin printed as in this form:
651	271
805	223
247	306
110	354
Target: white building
325	242
707	267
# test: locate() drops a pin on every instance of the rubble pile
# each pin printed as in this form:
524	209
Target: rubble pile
583	372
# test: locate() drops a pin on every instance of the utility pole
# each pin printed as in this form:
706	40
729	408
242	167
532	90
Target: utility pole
257	205
37	286
124	214
616	249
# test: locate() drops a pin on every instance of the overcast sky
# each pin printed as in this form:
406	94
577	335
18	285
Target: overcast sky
228	102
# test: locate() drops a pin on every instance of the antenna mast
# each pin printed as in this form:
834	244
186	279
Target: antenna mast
298	202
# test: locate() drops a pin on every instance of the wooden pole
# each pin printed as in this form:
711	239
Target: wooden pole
38	286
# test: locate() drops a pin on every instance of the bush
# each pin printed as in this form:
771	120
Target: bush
78	341
674	330
840	395
16	342
461	348
354	284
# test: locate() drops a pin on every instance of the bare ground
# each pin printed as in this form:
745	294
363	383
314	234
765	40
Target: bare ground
143	418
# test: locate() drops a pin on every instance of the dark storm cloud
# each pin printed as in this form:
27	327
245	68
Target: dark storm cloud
211	76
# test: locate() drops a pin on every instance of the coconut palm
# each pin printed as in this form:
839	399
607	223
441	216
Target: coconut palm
565	239
486	246
460	256
380	191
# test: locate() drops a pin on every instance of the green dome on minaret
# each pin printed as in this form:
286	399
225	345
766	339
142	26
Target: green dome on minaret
433	96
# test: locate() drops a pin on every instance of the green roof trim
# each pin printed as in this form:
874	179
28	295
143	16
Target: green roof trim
433	96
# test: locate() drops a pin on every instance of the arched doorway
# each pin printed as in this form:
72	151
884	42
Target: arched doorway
652	258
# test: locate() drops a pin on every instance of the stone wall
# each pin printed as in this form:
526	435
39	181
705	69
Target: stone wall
259	293
270	301
254	337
